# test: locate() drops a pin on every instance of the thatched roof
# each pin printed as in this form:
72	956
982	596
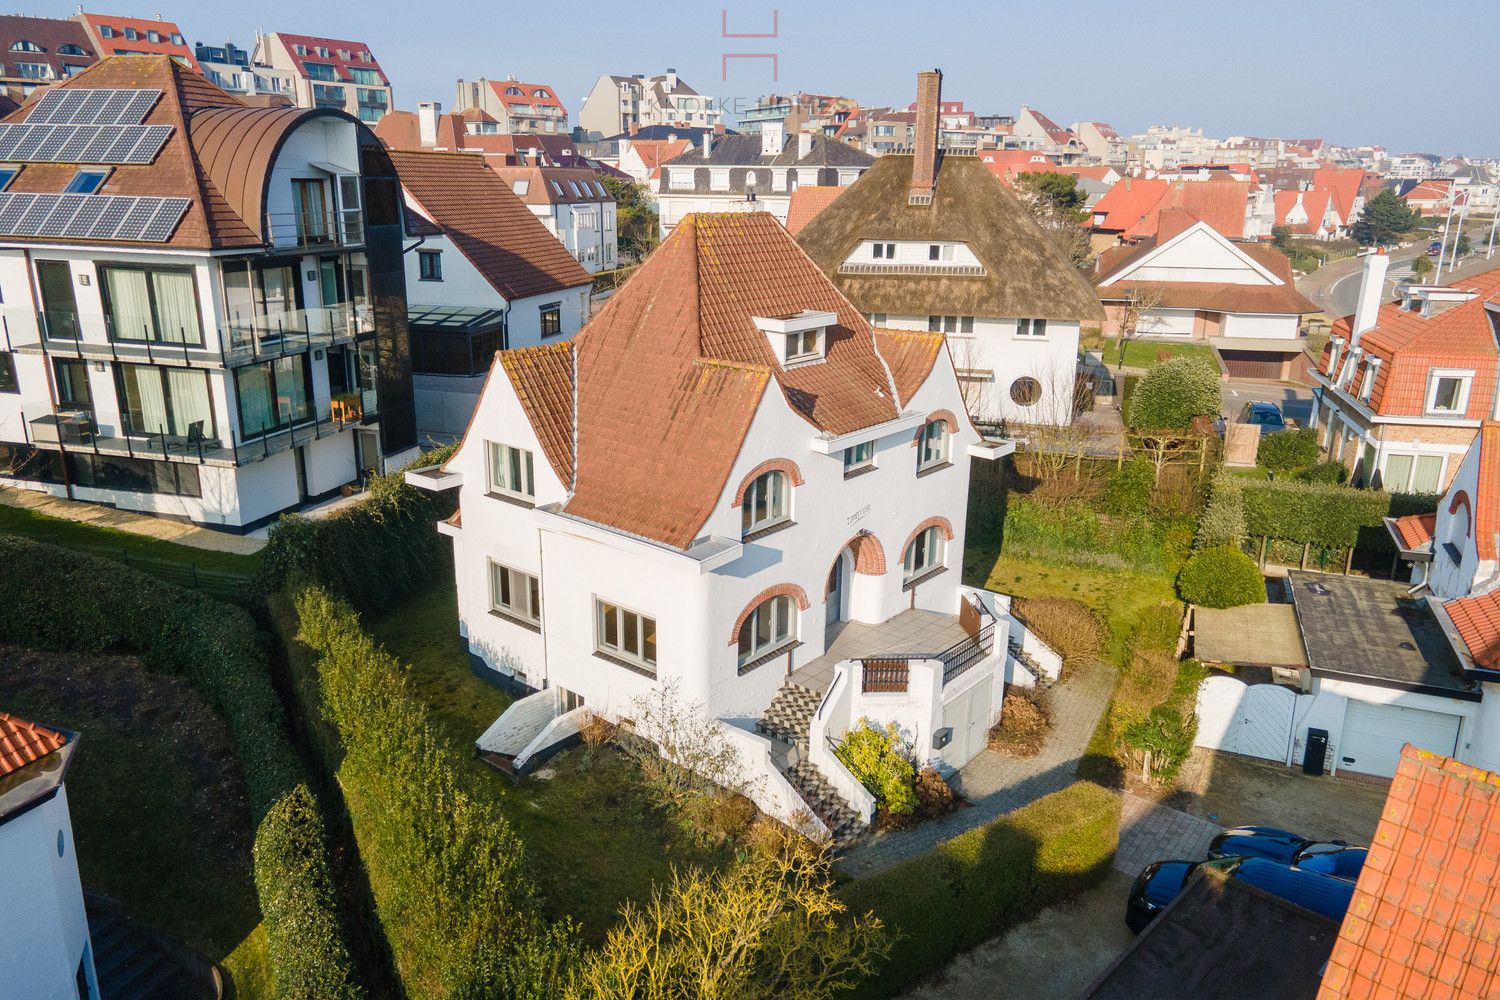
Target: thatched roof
1027	276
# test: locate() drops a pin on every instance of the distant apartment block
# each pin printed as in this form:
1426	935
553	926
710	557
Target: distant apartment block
616	103
509	106
36	51
231	69
792	111
328	73
112	35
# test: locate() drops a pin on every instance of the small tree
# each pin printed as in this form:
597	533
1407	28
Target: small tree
637	224
1221	578
1057	205
1169	400
682	752
1281	237
1140	301
1421	267
1384	220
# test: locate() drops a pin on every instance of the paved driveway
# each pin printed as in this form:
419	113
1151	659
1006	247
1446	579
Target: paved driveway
1295	400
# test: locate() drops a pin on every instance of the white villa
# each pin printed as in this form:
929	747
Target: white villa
730	487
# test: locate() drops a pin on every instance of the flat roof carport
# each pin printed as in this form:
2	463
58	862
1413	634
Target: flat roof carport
1253	635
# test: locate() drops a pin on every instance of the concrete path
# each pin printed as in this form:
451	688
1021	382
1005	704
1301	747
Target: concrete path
1150	832
995	784
160	528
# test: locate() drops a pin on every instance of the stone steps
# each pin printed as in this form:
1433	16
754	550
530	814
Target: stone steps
786	722
790	713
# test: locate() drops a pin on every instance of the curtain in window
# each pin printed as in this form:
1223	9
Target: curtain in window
292	398
1429	471
145	401
129	304
256	412
176	307
189	394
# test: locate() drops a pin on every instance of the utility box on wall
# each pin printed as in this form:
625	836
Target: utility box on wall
1317	751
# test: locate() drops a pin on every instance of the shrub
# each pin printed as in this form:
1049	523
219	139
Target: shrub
1313	513
1162	740
595	730
878	761
58	599
1288	449
1025	721
1071	627
1174	392
988	879
934	795
1221	578
1128	492
372	554
1223	520
1327	472
732	815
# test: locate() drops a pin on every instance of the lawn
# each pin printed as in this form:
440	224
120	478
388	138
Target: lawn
157	800
1144	353
594	838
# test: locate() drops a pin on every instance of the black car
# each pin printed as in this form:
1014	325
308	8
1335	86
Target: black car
1160	883
1331	857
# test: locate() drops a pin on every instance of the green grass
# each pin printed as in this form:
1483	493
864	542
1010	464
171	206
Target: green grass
594	838
124	546
1143	353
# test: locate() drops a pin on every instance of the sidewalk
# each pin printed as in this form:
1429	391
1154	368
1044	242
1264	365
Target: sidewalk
160	528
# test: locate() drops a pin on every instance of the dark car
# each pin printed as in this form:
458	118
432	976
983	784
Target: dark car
1266	416
1330	857
1434	248
1160	883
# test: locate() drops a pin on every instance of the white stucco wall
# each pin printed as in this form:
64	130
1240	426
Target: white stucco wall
1261	325
42	925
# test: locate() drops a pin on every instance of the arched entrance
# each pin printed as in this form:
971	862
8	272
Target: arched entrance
836	594
862	555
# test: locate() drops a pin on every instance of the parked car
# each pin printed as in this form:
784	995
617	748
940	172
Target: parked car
1156	887
1434	248
1330	857
1266	415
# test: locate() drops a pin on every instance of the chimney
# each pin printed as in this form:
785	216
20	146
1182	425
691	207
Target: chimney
1371	291
671	78
635	127
924	161
427	119
804	145
708	144
718	128
772	139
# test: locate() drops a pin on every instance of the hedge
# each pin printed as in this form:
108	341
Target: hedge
1323	514
1288	449
1222	577
446	870
372	554
986	880
63	600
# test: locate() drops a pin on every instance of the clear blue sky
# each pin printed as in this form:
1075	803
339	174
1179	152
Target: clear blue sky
1407	76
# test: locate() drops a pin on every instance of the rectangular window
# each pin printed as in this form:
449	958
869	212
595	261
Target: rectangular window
170	401
804	346
940	252
681	180
1448	392
878	319
933	450
368	77
511	471
157	305
134	475
319	71
628	635
273	395
950	324
551	319
1031	328
7	174
859	457
86	182
430	265
1412	473
515	593
8	380
885	251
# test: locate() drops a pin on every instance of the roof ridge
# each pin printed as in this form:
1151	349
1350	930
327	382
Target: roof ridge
709	361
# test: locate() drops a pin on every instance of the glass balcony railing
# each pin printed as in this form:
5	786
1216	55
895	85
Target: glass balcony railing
268	335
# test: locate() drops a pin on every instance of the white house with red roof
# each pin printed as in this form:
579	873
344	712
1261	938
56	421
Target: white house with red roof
328	73
1430	197
513	106
730	491
1102	141
45	950
1034	130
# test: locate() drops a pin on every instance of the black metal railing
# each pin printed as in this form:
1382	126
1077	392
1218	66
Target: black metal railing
893	668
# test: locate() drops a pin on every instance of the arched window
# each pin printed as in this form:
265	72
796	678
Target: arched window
540	93
24	46
770	626
514	92
924	554
932	449
767	502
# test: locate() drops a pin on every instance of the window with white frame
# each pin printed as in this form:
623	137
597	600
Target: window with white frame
1031	328
718	180
859	457
1448	391
767	502
878	319
778	180
932	450
771	626
942	252
884	251
1367	384
804	345
923	555
511	471
1409	473
950	324
625	634
515	593
680	179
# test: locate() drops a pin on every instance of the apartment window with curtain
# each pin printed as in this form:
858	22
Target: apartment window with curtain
273	395
770	627
512	471
158	305
8	380
161	400
1406	473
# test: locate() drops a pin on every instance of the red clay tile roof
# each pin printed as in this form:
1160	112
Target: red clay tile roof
541	191
1314	207
1478	622
1219	201
1433	190
23	742
1344	185
910	356
142	45
670	374
1424	921
1126	204
1415	529
1211	296
487	223
333	45
806	203
1487	501
1461	336
527	95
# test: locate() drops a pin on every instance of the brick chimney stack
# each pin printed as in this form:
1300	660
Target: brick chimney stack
924	161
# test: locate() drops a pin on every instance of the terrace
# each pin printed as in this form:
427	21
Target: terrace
957	641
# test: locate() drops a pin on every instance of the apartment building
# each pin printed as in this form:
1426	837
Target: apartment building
1102	142
505	107
112	35
793	111
1404	385
574	206
37	51
231	69
328	73
205	312
618	102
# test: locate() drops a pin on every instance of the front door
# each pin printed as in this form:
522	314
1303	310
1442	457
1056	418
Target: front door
837	585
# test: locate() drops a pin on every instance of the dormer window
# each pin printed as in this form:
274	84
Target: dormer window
799	338
804	346
1448	391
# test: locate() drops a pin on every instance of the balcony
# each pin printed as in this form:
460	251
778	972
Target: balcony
293	331
886	650
314	230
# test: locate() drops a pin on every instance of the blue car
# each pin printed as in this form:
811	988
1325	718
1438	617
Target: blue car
1331	857
1160	883
1266	416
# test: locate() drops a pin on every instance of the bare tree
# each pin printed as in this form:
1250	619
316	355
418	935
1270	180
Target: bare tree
682	752
976	382
1141	299
1052	436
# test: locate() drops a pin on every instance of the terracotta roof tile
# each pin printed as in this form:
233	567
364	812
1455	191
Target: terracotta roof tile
543	380
1487	500
1478	622
488	224
1212	296
909	356
1425	915
22	742
1415	529
1128	203
807	202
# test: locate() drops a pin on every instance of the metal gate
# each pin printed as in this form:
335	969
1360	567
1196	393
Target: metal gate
1250	719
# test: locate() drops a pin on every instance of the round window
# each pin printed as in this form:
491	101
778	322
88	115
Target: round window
1025	391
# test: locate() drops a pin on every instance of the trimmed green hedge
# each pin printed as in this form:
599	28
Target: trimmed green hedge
1288	449
1321	514
1222	577
372	554
62	600
986	880
446	870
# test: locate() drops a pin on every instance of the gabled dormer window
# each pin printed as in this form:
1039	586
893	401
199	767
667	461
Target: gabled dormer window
1448	391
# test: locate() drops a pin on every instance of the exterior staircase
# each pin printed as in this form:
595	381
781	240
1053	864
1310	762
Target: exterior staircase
786	722
1029	662
136	963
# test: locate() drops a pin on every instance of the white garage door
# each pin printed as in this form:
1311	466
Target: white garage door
1373	735
1168	323
968	716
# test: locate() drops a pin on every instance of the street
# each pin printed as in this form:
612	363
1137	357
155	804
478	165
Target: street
1335	287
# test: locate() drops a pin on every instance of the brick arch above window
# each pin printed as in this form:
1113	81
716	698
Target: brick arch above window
931	522
946	416
1461	499
786	465
779	590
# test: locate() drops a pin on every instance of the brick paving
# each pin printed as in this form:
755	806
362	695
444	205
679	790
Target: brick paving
1151	832
995	784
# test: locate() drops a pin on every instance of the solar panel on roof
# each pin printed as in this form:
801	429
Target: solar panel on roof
93	107
53	138
168	214
100	144
140	103
61	216
91	216
93	103
113	108
31	219
28	145
150	143
83	222
12	207
82	143
109	219
75	146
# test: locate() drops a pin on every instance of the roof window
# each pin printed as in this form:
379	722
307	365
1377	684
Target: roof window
799	338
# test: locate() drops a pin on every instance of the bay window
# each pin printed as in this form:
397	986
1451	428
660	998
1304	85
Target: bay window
157	305
516	594
923	555
772	625
626	635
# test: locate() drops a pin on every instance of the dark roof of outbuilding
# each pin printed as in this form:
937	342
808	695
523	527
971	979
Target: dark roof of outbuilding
745	150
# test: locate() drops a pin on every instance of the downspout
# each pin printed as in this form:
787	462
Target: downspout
36	310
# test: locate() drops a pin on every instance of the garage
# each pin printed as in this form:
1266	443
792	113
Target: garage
1254	364
1373	735
968	716
1168	323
